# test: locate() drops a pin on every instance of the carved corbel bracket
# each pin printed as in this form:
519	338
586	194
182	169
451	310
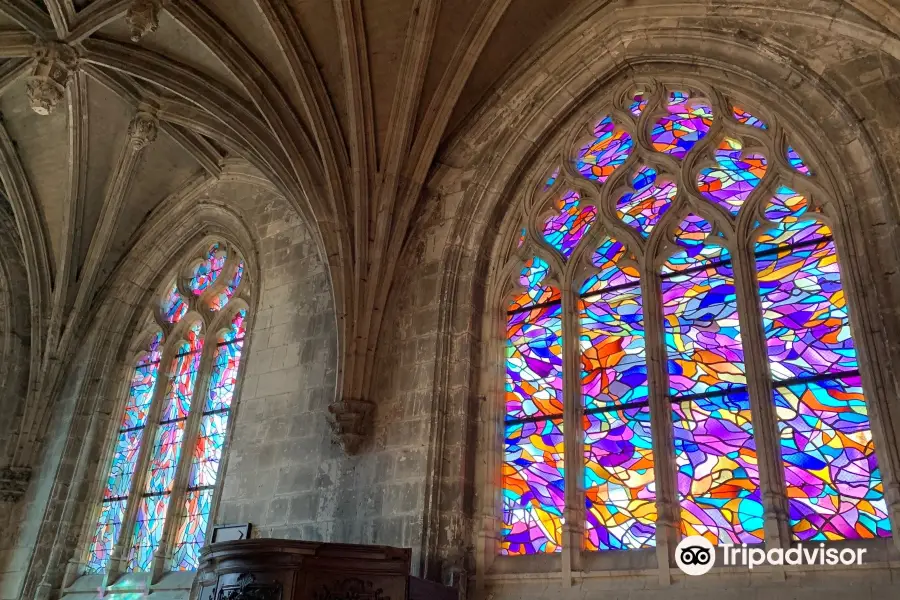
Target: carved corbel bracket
143	18
54	64
350	422
13	483
143	129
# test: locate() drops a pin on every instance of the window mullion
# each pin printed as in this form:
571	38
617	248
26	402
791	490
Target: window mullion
573	459
118	558
762	409
662	440
163	554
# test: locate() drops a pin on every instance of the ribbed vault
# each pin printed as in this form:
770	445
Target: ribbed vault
111	106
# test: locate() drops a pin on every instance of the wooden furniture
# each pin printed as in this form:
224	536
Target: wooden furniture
269	569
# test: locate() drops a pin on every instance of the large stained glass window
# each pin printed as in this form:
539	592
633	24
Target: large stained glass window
158	495
651	263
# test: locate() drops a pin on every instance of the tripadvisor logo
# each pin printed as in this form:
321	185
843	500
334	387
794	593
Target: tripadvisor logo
695	555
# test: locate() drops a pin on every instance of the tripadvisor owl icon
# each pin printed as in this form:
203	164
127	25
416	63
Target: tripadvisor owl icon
695	555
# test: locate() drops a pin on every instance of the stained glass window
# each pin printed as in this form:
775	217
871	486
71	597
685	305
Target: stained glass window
166	450
551	179
686	124
191	533
794	158
205	273
730	184
609	149
718	482
742	116
173	305
564	230
619	481
680	276
645	206
166	416
834	486
638	103
125	455
533	488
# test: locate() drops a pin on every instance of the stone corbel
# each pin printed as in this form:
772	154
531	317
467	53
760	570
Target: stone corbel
349	421
143	129
13	483
54	64
143	18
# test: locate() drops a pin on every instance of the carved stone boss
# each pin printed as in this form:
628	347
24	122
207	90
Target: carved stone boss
143	18
54	64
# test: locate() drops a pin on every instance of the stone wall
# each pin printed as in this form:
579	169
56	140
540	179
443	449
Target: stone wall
285	474
20	547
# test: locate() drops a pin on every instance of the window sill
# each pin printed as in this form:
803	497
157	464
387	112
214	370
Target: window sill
172	586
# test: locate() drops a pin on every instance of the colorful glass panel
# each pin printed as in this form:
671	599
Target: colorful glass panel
521	239
685	125
534	362
702	333
620	494
532	277
693	235
118	483
613	361
219	301
164	460
718	477
207	454
611	272
834	486
205	273
742	116
551	179
124	460
166	451
533	488
106	532
730	184
224	376
208	451
598	159
191	535
564	230
796	161
638	103
140	394
795	222
643	208
148	530
177	402
173	305
805	314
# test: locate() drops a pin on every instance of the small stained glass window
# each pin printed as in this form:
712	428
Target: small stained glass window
686	124
168	393
610	148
